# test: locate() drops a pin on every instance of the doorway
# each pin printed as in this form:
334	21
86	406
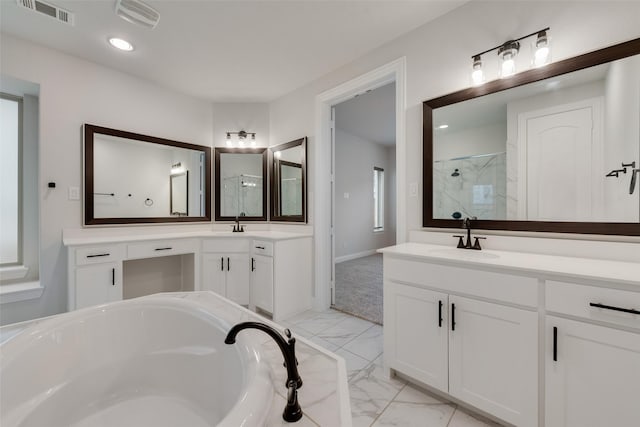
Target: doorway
324	176
364	198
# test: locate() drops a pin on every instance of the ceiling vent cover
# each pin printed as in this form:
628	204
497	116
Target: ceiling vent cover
137	12
49	10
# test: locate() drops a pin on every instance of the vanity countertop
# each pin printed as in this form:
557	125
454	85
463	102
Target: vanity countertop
546	266
93	236
324	397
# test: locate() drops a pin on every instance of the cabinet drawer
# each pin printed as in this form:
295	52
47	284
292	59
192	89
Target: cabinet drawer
225	245
99	254
575	300
509	288
158	248
260	247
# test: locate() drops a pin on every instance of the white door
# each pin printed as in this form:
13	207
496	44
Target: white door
214	273
98	284
595	379
262	283
560	164
238	269
493	359
415	333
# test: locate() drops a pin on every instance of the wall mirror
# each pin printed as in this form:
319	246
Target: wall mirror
288	181
131	178
241	191
553	149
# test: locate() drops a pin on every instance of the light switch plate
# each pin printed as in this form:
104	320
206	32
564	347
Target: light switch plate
413	189
346	195
74	193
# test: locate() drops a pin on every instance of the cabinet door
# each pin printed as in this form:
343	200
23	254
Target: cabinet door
238	268
98	284
595	379
493	359
214	267
415	333
262	283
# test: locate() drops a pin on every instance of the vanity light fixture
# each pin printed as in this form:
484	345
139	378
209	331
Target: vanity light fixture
121	44
242	136
507	53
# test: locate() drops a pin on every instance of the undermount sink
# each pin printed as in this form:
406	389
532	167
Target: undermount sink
467	254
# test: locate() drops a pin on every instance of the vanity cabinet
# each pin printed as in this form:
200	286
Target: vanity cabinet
98	284
483	353
262	276
226	268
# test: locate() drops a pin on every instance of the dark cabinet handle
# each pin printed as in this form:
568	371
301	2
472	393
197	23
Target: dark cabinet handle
97	255
163	249
228	264
610	307
253	264
440	313
221	263
113	277
453	317
259	247
555	344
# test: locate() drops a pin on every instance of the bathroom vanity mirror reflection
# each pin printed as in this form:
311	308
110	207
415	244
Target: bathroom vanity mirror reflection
288	181
240	175
132	178
550	149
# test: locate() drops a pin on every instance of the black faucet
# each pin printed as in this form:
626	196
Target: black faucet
292	412
238	228
466	224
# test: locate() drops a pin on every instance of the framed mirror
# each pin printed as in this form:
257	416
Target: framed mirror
553	149
128	178
179	195
241	190
288	181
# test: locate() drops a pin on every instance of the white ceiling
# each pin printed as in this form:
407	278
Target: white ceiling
371	115
228	51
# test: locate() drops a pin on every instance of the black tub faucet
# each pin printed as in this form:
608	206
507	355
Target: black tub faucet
292	412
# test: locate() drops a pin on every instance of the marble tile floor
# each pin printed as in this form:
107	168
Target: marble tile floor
375	399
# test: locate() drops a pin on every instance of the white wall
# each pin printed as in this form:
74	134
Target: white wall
355	160
488	139
234	117
73	92
433	70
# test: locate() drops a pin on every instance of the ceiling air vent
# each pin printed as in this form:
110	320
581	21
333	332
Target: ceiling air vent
48	9
137	12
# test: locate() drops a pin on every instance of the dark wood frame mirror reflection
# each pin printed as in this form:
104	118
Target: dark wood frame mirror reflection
218	153
91	131
276	182
591	59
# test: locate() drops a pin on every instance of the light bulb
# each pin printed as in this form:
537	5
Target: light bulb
542	52
508	67
477	75
508	53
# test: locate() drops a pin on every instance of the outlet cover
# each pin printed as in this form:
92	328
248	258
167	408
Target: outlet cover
74	193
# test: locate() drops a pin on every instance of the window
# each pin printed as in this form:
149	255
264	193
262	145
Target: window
378	199
10	180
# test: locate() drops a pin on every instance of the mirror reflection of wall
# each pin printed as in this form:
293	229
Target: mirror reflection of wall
541	151
179	196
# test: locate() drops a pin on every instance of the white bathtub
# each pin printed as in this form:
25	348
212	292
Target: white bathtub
143	362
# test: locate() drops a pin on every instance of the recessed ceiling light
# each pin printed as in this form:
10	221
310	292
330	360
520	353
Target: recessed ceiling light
443	126
120	44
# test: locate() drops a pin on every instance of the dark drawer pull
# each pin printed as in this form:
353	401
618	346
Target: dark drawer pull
253	264
97	255
610	307
259	247
440	313
453	317
555	343
164	249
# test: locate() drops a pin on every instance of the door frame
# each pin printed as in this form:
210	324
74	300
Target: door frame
324	174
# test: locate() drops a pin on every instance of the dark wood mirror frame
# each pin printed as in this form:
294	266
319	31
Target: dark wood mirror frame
89	219
218	192
302	142
587	60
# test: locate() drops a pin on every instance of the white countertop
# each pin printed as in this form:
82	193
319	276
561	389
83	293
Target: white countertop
544	266
93	236
324	397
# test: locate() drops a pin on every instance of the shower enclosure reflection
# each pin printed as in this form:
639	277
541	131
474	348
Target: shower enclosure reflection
240	190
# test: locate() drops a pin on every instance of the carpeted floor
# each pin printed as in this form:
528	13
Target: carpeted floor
359	287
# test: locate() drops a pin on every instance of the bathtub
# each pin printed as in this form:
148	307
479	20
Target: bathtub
143	362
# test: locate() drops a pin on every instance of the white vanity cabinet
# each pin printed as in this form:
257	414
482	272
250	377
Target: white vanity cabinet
95	275
262	276
226	268
592	370
438	331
